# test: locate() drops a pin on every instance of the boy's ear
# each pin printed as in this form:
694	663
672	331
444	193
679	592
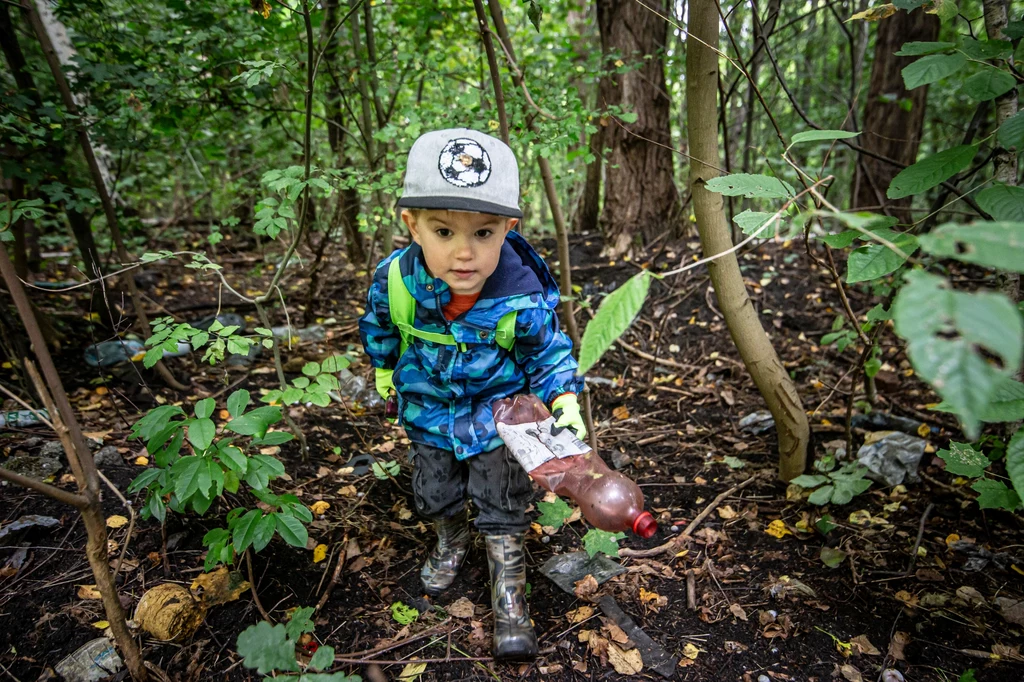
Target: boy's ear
510	224
410	221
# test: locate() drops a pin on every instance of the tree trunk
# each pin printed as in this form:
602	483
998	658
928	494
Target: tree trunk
753	344
889	128
641	201
1005	160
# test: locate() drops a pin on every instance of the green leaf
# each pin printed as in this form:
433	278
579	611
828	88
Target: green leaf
385	470
840	240
234	458
932	68
825	525
908	6
916	49
628	117
986	49
602	541
300	623
189	472
822	495
996	245
245	530
155	421
752	222
832	557
292	530
321	399
144	479
404	615
988	84
968	676
264	532
819	135
931	171
256	422
809	480
266	648
335	364
733	462
874	261
963	460
878	314
750	186
1011	132
276	438
204	408
616	313
237	402
1003	202
311	369
292	395
323	658
152	356
1015	461
995	495
201	433
945	331
554	513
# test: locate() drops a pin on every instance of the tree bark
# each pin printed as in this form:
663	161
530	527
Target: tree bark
588	208
889	128
1005	160
753	344
641	201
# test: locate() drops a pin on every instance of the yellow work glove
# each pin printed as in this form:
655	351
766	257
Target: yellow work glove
385	383
566	410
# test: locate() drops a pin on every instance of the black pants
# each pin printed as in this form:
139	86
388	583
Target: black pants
497	484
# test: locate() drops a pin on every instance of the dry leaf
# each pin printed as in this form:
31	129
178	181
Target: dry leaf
581	614
906	598
116	521
951	538
461	608
142	461
777	529
586	587
412	671
726	512
320	507
319	553
861	645
691	651
89	592
101	625
218	587
896	646
1011	609
971	596
621	412
737	610
851	673
624	662
617	634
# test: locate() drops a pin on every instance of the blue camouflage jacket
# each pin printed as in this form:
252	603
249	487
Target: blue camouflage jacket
445	394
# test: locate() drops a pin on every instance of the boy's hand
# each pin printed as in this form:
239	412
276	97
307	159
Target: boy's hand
384	381
566	410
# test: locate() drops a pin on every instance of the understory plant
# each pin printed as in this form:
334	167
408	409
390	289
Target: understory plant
273	650
834	484
213	465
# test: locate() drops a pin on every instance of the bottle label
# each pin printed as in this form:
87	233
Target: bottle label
533	443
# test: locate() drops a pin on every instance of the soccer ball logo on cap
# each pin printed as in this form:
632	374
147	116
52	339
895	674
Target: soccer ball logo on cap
464	163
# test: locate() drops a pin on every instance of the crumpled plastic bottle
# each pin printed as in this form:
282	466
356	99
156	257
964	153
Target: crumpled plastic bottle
563	464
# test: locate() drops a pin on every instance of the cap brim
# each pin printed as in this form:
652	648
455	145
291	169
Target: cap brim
460	204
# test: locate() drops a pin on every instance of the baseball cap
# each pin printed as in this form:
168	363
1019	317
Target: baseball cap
460	169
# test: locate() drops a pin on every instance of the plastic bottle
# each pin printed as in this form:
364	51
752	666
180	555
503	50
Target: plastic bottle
20	418
561	463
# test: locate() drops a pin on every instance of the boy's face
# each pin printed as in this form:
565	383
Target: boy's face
460	248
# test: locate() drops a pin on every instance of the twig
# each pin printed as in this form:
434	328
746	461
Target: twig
252	587
691	589
920	535
945	486
414	661
690	527
366	654
131	522
334	577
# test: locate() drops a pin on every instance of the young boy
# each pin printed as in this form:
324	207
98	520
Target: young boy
461	318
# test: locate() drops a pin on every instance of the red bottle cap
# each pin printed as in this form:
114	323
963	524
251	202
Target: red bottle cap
644	525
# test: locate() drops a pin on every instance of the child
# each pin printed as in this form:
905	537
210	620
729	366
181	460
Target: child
461	318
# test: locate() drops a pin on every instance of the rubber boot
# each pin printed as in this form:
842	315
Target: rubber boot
446	558
514	636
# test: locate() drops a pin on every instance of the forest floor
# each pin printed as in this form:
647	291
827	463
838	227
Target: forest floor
761	606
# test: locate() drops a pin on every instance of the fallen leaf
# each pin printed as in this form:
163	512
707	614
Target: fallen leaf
621	412
906	598
951	538
735	647
218	587
580	667
101	625
691	651
971	596
412	671
726	512
897	644
581	614
861	517
271	450
737	610
97	435
616	634
777	529
461	608
142	461
116	521
861	645
319	553
851	673
1011	609
319	507
625	662
586	587
102	390
348	491
89	592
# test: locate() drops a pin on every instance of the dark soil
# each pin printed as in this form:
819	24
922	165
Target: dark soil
763	605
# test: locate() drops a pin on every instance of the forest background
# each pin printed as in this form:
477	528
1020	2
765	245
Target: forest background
883	140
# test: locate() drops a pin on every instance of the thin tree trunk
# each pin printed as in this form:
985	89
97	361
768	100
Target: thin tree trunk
640	197
889	128
98	180
753	344
1005	160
